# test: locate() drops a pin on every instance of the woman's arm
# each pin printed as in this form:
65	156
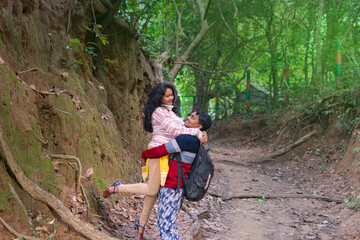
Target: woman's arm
172	127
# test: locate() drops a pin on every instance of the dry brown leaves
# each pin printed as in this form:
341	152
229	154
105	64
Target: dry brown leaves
45	227
76	101
78	204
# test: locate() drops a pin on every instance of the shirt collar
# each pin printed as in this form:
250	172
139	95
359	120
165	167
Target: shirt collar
168	107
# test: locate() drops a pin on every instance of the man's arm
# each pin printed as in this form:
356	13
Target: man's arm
156	152
179	144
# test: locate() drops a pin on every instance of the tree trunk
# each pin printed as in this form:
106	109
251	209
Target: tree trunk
317	78
307	44
328	49
195	43
273	60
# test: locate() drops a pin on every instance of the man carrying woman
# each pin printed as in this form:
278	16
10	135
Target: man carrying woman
162	121
169	197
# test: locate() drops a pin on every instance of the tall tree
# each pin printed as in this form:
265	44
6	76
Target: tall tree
317	77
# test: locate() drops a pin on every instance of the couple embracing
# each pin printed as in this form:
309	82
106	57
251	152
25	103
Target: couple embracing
170	135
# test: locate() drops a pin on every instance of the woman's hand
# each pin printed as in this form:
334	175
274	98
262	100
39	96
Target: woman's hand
204	138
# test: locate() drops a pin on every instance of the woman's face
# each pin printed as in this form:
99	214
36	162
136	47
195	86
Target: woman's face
168	97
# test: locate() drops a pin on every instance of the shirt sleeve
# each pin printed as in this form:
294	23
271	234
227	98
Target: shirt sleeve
175	129
156	152
182	143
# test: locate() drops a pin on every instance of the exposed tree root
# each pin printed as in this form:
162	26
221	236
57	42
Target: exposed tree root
89	216
229	162
79	171
194	231
274	196
20	203
37	137
286	149
20	236
54	91
41	195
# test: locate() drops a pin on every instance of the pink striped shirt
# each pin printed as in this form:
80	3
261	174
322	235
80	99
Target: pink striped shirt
166	126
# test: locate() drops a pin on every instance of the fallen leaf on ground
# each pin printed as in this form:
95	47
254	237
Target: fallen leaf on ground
64	74
89	172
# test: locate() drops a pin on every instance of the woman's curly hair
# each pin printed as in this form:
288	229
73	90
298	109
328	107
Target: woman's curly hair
154	101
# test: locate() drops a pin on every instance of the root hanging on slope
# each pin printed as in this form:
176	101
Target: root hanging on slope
20	236
41	195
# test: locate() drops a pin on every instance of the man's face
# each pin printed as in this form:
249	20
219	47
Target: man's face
192	121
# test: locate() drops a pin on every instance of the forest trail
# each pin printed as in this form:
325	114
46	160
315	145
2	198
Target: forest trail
290	218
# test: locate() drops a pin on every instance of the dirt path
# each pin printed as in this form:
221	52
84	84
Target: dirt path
309	170
291	218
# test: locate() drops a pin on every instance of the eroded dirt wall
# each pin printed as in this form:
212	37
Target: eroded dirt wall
55	99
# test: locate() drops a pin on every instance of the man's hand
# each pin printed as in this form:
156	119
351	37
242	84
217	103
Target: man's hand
204	138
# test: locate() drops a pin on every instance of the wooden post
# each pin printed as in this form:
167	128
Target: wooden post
194	99
217	103
286	82
248	90
338	63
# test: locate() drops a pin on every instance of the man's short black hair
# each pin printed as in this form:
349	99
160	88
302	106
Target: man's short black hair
204	119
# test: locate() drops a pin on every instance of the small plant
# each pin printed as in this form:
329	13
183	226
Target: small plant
50	236
356	150
322	167
54	225
74	45
355	205
35	232
260	200
97	227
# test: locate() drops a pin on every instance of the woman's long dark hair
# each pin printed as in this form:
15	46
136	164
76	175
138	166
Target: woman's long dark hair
154	101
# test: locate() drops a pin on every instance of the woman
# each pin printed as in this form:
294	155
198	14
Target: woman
162	121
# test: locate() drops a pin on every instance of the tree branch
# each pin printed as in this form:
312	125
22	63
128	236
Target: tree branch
195	43
207	9
20	203
79	172
179	18
20	236
111	14
223	18
286	148
274	196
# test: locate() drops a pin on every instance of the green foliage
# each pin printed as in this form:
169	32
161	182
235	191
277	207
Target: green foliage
75	46
356	150
256	36
35	232
4	203
355	204
260	200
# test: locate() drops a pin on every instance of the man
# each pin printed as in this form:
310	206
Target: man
169	197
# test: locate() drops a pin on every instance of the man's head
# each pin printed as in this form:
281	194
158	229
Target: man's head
198	119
